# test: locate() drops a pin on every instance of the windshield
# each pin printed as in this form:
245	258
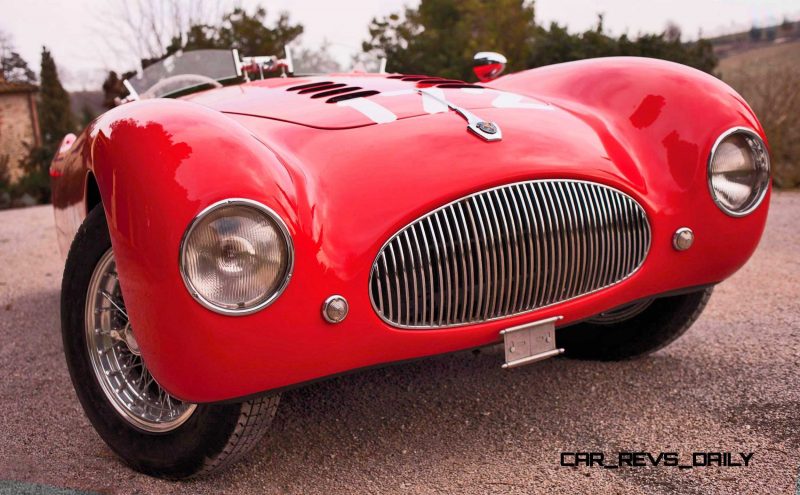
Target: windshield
185	70
202	69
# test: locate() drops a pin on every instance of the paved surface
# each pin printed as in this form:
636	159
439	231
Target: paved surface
455	423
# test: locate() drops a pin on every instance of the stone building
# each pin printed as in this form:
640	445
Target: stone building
19	124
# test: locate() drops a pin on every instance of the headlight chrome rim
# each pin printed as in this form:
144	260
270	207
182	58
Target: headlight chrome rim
762	193
284	230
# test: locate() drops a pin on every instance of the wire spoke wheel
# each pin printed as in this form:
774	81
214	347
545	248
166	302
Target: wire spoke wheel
117	362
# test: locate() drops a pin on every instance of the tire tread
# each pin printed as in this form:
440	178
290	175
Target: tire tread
255	418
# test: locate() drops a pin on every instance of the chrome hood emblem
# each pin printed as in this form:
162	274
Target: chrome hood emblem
488	131
487	127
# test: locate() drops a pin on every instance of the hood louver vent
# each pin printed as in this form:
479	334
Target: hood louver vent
317	89
458	85
359	94
435	82
337	91
309	86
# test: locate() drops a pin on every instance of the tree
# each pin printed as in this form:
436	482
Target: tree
55	121
147	30
556	44
13	68
155	29
246	32
240	29
55	114
441	36
672	32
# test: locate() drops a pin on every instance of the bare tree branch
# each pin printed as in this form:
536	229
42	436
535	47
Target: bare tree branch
137	30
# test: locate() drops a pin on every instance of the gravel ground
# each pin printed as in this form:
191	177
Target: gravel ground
454	423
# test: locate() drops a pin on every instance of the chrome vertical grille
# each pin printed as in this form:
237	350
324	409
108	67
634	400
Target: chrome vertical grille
506	251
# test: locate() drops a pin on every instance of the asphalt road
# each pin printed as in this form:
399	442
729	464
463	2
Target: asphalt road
457	423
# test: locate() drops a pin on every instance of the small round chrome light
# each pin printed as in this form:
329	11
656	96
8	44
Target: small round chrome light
236	257
738	171
335	309
683	239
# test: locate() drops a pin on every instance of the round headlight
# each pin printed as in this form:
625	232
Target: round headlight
236	257
738	171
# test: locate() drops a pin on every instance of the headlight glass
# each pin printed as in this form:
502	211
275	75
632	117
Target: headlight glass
738	171
236	257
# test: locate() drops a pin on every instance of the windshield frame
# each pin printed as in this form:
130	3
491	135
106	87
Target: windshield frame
241	69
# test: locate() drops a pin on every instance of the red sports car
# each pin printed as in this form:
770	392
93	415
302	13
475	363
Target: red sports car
230	236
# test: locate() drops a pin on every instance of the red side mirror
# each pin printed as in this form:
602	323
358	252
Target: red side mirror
488	65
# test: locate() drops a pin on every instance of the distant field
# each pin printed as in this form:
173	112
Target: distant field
782	54
768	78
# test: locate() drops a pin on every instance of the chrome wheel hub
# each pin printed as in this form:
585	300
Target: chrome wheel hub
130	340
117	361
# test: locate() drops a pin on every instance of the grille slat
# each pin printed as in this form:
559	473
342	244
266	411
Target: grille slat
532	255
581	227
466	257
410	252
506	251
570	229
521	272
541	250
591	238
494	268
555	233
439	235
603	233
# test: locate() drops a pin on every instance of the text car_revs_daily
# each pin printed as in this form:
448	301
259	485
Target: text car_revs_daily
656	459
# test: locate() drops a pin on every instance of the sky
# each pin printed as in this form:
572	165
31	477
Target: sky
72	28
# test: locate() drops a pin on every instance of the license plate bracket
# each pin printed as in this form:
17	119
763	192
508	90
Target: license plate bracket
530	342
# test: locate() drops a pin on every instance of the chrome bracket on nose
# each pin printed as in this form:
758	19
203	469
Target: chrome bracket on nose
488	131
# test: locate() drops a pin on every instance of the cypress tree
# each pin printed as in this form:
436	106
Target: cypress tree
55	114
55	121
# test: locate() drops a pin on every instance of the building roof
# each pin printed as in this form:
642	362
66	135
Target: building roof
17	87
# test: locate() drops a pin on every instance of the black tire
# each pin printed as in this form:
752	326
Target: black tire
211	438
661	322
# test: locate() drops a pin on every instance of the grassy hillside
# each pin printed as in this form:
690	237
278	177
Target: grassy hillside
768	77
776	55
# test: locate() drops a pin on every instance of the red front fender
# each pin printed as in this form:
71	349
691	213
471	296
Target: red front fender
158	164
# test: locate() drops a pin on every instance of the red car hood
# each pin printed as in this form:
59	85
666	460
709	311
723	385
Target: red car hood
322	103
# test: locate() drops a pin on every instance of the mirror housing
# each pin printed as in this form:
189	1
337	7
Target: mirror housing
488	65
